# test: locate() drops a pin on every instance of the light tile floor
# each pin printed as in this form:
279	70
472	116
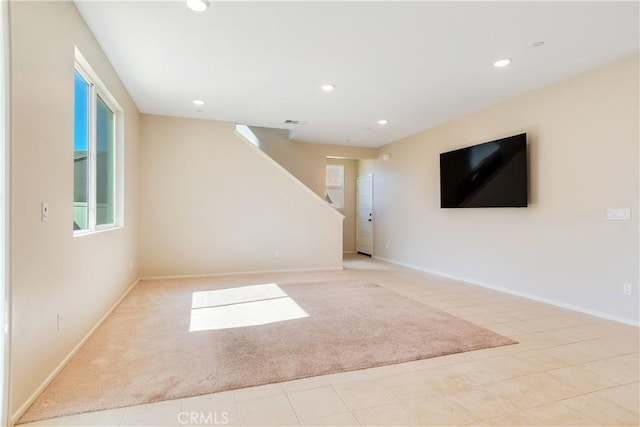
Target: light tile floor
568	369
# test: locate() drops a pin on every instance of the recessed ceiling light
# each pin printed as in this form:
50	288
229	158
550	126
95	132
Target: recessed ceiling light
383	122
198	5
327	88
198	102
502	63
538	44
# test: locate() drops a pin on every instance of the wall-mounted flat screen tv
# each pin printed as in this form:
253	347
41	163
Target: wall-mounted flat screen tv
489	175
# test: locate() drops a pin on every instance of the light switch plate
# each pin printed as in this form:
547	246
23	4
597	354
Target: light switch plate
44	212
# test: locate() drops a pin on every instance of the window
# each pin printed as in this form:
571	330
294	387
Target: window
95	146
335	186
248	134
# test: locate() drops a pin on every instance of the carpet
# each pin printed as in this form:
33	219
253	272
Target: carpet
170	339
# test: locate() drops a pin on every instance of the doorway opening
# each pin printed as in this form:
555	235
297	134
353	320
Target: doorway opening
349	189
364	233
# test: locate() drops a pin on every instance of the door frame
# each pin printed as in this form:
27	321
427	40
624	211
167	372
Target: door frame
358	213
5	216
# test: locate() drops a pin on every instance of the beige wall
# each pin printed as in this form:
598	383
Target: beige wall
214	203
306	161
583	154
349	208
51	270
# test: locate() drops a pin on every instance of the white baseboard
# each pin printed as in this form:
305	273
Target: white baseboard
191	276
23	408
349	252
518	293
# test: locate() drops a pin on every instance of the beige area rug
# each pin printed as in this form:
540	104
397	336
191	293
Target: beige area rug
170	339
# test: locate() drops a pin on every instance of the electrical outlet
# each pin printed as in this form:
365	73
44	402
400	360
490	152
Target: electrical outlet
131	265
277	254
59	322
44	211
619	214
386	245
627	289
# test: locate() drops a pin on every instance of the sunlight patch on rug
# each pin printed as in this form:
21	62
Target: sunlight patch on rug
242	307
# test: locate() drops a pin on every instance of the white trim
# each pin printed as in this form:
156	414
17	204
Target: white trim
80	233
16	416
193	276
518	293
5	218
91	155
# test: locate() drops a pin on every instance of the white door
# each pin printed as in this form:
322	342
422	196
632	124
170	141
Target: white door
365	215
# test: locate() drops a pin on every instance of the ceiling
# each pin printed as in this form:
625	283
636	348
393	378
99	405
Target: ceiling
415	64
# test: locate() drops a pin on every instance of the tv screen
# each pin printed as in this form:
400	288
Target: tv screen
489	175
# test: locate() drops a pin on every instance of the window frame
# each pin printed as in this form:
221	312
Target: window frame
335	187
98	89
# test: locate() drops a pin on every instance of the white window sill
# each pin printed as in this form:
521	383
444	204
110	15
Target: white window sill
79	233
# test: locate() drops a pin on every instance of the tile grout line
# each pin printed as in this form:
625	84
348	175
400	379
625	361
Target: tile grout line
398	401
293	408
237	404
